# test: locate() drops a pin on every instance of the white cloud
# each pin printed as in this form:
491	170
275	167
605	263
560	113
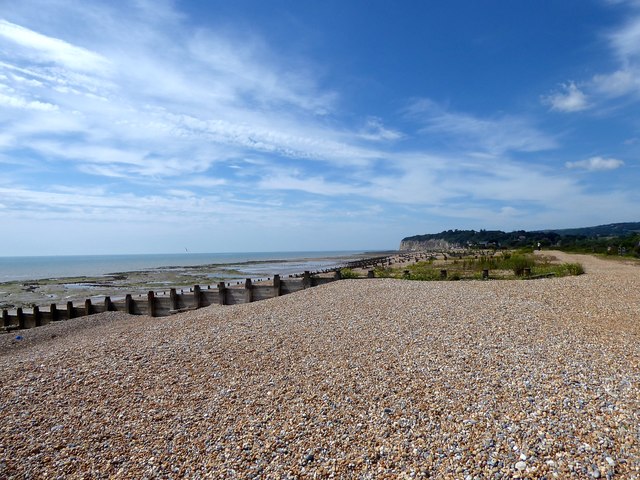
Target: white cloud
18	102
626	41
570	99
596	163
202	182
48	49
314	185
376	131
495	135
618	83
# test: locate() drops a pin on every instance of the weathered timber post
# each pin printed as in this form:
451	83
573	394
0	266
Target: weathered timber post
306	279
173	298
54	312
248	291
70	314
338	274
87	306
485	274
108	304
222	293
371	274
276	285
21	322
5	318
151	301
37	316
443	274
197	297
527	272
128	304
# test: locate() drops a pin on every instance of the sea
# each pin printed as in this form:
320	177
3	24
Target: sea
253	263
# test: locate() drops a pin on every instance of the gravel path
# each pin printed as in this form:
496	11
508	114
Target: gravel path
355	379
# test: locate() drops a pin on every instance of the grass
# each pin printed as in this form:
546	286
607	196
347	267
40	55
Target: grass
348	273
506	265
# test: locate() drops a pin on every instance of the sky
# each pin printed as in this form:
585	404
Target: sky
155	126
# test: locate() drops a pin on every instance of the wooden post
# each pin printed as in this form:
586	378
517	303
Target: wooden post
87	306
5	318
197	297
128	304
108	304
443	274
371	274
173	297
276	285
306	279
37	317
248	291
485	274
338	274
54	312
152	304
222	293
21	322
70	312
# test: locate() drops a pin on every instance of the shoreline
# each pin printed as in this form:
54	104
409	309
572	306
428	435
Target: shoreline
45	291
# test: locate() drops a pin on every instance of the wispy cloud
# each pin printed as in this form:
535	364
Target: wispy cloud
376	131
41	48
626	40
495	135
596	164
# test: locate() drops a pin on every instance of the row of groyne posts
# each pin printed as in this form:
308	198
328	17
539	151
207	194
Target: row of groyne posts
156	305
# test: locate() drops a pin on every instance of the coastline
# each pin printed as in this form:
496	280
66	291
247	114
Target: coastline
42	292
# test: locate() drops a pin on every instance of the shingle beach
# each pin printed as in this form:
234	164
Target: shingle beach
371	378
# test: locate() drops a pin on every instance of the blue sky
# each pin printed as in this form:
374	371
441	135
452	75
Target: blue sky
152	126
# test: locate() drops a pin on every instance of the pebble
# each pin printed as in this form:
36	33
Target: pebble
371	378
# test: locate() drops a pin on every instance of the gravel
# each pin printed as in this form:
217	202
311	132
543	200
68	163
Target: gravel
361	379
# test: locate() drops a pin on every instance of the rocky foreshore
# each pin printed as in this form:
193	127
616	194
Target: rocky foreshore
374	378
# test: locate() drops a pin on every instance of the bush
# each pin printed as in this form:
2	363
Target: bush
348	273
385	272
518	263
573	268
425	275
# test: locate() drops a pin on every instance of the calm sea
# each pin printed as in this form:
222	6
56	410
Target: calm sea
34	268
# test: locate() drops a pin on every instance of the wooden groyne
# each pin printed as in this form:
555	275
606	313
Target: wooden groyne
159	304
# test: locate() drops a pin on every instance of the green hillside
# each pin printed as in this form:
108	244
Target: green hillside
616	238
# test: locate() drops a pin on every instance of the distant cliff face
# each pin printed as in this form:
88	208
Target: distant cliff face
417	245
